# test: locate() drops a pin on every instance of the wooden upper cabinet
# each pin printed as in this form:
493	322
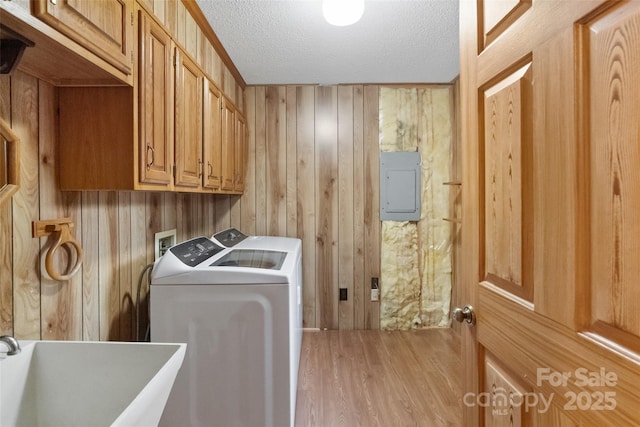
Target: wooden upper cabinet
174	130
105	27
155	89
228	145
212	135
188	122
240	153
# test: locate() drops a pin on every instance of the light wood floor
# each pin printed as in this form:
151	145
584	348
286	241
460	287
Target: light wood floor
374	378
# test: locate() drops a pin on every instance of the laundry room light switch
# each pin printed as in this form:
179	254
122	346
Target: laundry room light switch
163	241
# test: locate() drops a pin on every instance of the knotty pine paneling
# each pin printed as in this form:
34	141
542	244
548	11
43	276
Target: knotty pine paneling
276	160
55	323
25	280
371	214
259	128
345	153
361	288
305	199
116	231
6	231
292	155
326	192
313	166
90	279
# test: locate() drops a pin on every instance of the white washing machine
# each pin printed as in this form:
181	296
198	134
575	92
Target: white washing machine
239	311
233	238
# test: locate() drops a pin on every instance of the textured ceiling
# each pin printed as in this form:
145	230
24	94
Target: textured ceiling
288	42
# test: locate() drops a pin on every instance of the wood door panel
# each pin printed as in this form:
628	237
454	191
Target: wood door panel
498	15
105	27
188	127
537	348
155	103
506	396
107	19
228	145
525	35
554	417
507	164
613	47
577	341
240	153
556	206
212	135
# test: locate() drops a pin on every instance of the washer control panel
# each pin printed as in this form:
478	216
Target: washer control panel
230	237
194	251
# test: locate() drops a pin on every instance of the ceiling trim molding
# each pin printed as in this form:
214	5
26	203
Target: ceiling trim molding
195	11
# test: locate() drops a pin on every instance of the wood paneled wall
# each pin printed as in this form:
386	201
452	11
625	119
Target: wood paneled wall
313	173
115	229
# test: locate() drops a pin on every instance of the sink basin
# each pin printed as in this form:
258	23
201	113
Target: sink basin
68	383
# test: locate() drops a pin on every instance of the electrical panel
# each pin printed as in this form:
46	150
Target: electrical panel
400	179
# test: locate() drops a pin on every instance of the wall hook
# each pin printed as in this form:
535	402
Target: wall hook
61	230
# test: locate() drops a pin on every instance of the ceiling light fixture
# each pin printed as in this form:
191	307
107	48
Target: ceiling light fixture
342	12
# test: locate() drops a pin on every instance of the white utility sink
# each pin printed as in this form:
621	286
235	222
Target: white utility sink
68	383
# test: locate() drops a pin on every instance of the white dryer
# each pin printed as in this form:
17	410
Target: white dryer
239	311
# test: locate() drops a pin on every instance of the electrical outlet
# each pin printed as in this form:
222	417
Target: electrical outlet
375	289
163	241
343	294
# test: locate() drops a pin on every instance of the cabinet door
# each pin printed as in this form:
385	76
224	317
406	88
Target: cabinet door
105	27
228	145
155	103
212	145
188	122
241	153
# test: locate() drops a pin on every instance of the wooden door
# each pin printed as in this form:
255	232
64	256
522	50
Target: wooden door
228	145
550	98
212	136
188	125
105	27
155	88
240	153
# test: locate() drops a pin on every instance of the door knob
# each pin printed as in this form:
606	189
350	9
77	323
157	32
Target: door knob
464	314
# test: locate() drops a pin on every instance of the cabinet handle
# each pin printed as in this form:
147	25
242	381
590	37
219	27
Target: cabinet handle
200	164
153	156
210	170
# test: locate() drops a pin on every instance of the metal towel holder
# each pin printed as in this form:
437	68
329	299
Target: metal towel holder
60	229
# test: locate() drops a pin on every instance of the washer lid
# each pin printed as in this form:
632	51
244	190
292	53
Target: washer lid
253	258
